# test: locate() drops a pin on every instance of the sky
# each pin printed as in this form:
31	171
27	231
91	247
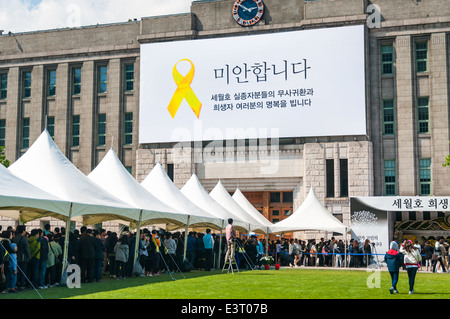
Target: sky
32	15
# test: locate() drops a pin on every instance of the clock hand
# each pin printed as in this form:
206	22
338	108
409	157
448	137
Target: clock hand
245	8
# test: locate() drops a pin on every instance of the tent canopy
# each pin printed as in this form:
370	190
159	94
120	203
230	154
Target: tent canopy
194	190
311	215
112	176
22	200
44	166
221	195
159	184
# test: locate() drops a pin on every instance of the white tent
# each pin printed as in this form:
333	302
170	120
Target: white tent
311	215
111	175
44	166
194	190
221	195
23	201
249	208
159	184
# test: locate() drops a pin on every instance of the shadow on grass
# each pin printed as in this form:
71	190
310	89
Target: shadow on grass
107	284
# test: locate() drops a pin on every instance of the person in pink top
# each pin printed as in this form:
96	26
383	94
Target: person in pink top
230	234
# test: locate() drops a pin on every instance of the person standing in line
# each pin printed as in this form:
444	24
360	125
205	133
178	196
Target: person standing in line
122	251
428	253
23	254
230	235
412	259
86	255
208	243
171	248
394	260
43	260
35	249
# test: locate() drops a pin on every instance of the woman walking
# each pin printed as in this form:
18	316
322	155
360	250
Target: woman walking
412	259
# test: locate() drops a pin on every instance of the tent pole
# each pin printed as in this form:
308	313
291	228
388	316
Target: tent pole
138	234
220	243
267	242
345	248
186	233
66	240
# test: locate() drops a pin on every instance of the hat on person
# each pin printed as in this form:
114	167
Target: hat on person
394	245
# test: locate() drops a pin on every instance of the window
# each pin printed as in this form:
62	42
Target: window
51	83
3	86
412	215
423	115
343	166
26	85
102	79
422	56
330	177
388	117
75	130
76	81
129	77
288	197
389	178
387	59
275	212
426	215
425	176
170	171
101	134
129	169
51	126
275	197
2	132
25	132
128	129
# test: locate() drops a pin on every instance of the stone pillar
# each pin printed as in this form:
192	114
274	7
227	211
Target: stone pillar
406	128
439	114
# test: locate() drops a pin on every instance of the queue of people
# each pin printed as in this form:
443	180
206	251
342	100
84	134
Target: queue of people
34	259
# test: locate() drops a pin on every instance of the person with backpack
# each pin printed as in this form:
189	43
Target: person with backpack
35	249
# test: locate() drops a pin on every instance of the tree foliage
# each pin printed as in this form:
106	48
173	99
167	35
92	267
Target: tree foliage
3	161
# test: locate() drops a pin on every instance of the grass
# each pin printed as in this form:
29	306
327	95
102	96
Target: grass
304	283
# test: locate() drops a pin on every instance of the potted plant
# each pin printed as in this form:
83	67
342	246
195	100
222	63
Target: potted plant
267	261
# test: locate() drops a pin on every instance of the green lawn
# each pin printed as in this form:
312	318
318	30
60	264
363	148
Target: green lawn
286	283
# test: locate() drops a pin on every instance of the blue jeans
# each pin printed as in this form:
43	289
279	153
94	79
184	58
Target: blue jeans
42	271
394	278
412	271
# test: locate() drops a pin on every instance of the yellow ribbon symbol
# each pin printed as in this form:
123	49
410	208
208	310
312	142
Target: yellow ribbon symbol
184	91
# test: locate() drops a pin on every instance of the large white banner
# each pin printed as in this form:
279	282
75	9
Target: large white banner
289	84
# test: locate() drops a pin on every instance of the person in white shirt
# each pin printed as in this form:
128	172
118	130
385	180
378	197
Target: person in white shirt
412	259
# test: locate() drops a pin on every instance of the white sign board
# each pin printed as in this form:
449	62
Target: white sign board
372	224
288	84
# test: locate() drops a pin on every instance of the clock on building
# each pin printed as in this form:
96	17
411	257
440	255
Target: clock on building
248	12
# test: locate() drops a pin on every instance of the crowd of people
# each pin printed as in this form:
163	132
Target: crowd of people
34	259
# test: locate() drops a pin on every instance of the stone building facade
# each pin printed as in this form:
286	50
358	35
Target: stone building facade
83	85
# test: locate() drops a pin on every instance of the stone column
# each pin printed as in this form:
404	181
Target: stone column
406	128
439	114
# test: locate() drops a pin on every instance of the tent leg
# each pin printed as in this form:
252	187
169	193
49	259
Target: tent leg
66	240
138	234
186	233
220	245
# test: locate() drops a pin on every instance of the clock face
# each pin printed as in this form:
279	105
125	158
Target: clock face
248	12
